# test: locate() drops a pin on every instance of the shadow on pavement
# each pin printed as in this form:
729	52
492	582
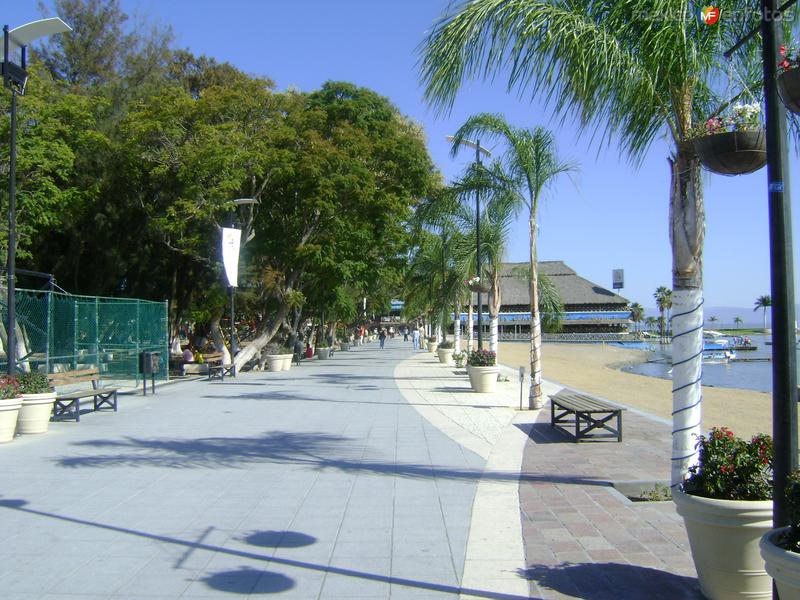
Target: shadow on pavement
316	450
280	539
246	580
600	581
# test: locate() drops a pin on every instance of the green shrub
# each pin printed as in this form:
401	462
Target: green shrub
446	345
459	358
9	388
482	358
791	539
33	382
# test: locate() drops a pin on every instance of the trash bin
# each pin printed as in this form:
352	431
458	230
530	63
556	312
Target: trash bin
149	364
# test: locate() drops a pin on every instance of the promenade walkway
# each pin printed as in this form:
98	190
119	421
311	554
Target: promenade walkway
372	475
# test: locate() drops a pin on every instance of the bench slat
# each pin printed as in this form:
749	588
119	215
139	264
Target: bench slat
583	403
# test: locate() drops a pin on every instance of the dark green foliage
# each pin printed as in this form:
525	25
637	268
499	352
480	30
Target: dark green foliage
731	468
791	540
33	382
482	358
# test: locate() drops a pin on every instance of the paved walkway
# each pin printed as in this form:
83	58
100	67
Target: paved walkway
376	474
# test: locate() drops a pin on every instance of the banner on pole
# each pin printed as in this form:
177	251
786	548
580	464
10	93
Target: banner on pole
230	253
618	278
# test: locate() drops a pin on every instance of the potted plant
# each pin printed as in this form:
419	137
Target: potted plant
475	284
780	548
732	145
445	352
323	350
433	343
482	370
37	402
789	78
344	344
279	358
10	403
459	358
726	507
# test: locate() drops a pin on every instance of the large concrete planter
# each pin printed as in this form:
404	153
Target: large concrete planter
34	414
432	346
323	353
724	536
9	411
782	565
483	379
279	362
345	346
446	355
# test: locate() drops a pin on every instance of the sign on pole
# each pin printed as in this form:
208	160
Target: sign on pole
230	253
618	278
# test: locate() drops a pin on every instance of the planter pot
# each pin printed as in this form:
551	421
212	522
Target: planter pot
9	410
345	346
279	362
782	565
733	152
323	353
724	536
34	415
483	379
446	355
789	89
432	346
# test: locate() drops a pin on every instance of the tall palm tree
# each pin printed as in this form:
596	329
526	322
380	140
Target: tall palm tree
532	165
712	319
663	296
627	76
737	321
763	302
637	314
650	323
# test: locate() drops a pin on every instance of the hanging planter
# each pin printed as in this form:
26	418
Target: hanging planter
476	285
789	89
732	152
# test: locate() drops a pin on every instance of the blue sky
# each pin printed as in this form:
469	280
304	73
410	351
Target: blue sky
611	215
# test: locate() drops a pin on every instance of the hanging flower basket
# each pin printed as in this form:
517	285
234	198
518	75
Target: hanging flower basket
476	285
732	152
789	89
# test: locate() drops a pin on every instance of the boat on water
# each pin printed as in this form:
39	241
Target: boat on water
721	350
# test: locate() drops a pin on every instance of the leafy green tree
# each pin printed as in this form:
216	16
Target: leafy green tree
532	164
763	302
630	77
637	313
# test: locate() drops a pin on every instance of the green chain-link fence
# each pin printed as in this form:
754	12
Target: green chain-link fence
58	332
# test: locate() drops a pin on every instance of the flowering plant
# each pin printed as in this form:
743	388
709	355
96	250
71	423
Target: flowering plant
790	58
731	468
33	382
9	388
459	358
740	117
474	280
482	358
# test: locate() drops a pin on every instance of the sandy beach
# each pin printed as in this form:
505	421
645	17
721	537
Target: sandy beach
594	368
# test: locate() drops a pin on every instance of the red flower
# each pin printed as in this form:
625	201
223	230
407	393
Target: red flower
785	65
782	50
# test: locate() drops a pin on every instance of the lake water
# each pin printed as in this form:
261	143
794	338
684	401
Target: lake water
746	375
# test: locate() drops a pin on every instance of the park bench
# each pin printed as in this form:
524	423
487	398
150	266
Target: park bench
217	370
68	404
585	416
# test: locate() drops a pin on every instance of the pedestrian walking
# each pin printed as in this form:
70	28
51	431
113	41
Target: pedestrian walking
382	337
405	333
415	338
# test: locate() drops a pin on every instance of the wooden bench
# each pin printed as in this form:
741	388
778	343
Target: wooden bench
217	370
584	415
68	404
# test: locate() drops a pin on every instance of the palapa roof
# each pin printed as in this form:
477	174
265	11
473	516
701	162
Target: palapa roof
573	289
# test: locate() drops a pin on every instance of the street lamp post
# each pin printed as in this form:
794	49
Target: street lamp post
478	149
15	77
231	242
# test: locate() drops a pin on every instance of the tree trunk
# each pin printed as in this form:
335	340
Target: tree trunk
257	345
535	398
469	325
457	325
494	312
215	331
687	230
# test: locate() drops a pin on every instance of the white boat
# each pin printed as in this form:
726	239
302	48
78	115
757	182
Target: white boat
718	356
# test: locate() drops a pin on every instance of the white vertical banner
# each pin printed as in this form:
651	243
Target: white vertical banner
230	253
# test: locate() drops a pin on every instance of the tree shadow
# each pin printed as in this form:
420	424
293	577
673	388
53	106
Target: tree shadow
280	539
610	581
246	580
315	450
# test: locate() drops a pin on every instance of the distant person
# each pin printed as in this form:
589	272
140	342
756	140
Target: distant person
188	355
405	333
382	337
309	351
415	338
298	351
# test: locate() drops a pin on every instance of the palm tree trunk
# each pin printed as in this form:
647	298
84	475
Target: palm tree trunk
765	317
469	325
535	399
457	325
494	312
687	226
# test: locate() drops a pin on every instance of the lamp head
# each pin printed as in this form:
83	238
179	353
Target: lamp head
15	42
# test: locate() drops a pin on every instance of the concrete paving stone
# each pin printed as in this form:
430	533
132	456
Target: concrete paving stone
372	547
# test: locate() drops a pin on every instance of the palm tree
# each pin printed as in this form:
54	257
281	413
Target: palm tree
737	321
763	302
532	165
623	75
650	323
712	319
663	296
637	313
